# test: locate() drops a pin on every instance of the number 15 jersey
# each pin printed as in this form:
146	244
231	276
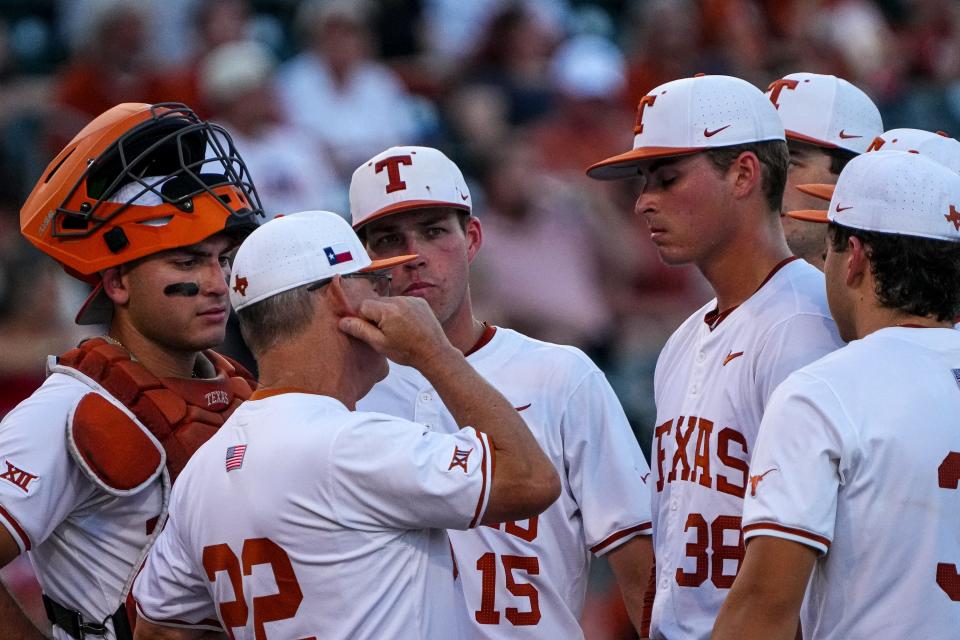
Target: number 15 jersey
528	579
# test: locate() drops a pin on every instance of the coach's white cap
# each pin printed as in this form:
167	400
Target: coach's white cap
690	115
894	192
938	146
404	178
826	111
294	250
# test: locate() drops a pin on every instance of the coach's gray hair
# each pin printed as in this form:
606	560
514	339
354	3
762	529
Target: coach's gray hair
265	324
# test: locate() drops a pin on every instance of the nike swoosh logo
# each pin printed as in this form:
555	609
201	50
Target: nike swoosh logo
644	477
463	197
839	208
847	136
523	408
709	134
731	356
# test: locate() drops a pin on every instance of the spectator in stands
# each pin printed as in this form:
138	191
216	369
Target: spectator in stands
338	90
292	169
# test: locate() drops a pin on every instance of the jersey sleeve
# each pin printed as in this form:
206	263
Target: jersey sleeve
40	485
170	590
792	344
606	469
797	466
400	474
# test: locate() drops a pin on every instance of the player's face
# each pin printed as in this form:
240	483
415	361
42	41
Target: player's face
838	294
808	165
440	275
160	304
685	202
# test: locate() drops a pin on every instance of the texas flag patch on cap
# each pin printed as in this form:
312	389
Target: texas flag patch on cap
338	253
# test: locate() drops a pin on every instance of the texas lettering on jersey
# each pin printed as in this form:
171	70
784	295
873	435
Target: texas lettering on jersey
689	439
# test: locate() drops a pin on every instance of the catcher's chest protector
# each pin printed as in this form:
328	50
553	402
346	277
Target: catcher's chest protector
173	416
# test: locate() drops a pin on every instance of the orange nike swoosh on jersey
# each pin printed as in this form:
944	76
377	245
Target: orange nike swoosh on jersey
709	134
731	356
523	408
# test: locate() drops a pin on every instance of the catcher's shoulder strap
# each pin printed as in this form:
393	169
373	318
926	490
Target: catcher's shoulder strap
134	423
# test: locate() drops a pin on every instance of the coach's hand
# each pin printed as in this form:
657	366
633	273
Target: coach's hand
402	328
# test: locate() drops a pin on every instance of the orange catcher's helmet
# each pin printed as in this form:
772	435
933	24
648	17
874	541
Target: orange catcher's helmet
138	179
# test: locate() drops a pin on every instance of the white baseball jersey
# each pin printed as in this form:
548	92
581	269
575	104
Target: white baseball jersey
84	543
528	579
336	517
712	382
859	458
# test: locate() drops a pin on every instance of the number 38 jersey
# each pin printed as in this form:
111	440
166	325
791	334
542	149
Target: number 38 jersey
859	458
528	579
302	519
712	382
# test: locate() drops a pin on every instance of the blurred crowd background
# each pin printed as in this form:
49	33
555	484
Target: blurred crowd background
523	95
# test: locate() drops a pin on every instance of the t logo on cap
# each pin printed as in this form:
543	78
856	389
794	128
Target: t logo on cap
393	171
645	101
876	144
779	85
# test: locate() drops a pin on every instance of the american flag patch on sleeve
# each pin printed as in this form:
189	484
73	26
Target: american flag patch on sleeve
235	456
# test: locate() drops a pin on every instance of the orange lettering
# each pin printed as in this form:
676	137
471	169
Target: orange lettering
662	430
645	101
777	86
724	438
393	171
701	455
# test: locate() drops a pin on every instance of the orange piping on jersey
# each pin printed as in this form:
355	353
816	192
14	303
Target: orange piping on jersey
483	484
714	317
619	535
485	338
260	394
16	527
792	531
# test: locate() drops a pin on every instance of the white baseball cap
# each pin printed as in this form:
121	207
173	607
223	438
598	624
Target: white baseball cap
690	115
826	111
297	249
938	146
894	192
404	178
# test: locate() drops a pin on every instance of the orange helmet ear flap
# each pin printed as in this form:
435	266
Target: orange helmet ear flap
137	180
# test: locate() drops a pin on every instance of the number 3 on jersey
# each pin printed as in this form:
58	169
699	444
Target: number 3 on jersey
487	565
948	475
282	605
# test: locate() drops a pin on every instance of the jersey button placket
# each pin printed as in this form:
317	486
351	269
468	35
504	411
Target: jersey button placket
426	409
